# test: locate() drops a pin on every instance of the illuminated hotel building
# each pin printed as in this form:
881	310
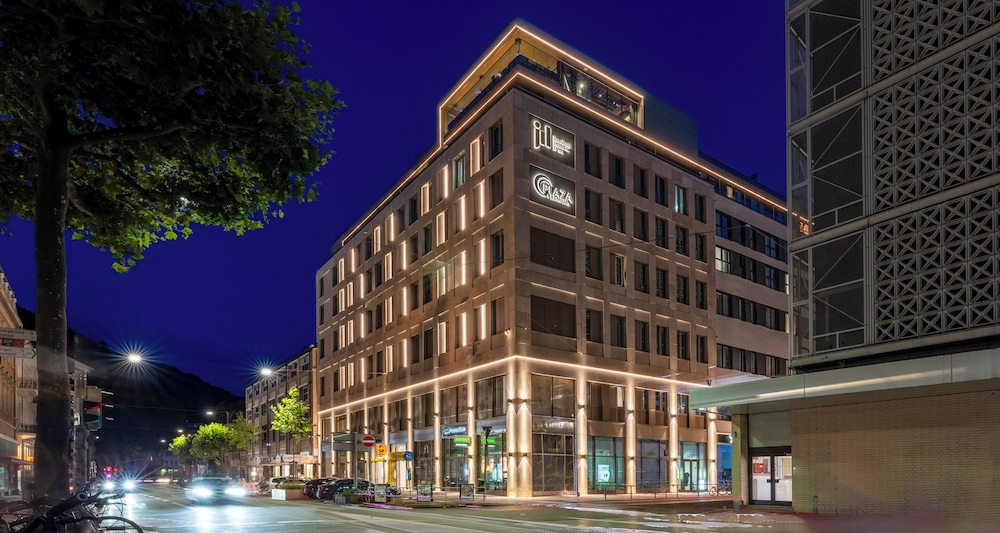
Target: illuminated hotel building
894	153
529	309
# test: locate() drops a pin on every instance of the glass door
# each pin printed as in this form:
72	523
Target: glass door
689	474
771	478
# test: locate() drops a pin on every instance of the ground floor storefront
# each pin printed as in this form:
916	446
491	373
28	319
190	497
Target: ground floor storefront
530	430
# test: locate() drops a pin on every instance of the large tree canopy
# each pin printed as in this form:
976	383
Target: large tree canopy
126	122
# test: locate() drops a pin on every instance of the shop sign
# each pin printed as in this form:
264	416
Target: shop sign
447	431
555	191
463	441
553	141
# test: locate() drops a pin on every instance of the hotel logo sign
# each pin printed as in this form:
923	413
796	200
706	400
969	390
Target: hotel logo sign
553	190
553	141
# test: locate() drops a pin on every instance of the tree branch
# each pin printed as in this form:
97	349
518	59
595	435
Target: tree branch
131	134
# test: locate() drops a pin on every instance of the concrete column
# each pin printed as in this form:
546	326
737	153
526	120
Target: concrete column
630	439
672	444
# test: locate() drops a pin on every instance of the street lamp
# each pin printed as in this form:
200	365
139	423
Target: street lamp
134	357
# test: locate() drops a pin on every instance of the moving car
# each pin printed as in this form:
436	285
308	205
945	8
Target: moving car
328	490
311	488
214	489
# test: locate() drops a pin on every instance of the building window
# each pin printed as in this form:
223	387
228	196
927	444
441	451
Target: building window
428	349
700	208
662	234
555	318
553	250
699	248
592	263
592	206
618	270
681	240
662	340
617	171
428	285
458	172
702	349
496	140
618	331
496	249
701	295
428	239
641	277
496	189
617	216
662	290
641	336
595	326
640	184
682	345
680	200
411	296
660	191
499	319
592	160
682	289
640	225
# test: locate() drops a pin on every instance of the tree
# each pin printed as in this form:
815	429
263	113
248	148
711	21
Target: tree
211	443
181	447
128	122
244	435
291	417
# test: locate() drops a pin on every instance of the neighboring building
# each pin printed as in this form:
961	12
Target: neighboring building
17	410
529	309
275	454
893	167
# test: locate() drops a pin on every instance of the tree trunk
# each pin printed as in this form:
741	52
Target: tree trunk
54	410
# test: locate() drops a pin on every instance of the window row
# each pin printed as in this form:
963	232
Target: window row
750	311
733	229
740	265
750	361
593	164
593	211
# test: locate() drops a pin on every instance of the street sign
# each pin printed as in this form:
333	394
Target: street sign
380	449
14	351
368	441
26	334
407	456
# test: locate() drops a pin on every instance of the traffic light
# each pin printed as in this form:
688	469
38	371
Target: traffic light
92	414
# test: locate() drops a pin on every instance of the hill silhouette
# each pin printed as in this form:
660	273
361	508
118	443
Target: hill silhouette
151	402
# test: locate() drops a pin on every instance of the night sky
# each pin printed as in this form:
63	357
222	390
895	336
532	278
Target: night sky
220	306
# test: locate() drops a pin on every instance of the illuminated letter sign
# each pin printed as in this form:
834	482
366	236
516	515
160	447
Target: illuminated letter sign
553	190
552	141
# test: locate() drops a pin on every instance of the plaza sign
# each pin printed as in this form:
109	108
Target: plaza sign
553	141
553	190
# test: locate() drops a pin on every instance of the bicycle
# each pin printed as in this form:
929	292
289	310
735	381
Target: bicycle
724	487
74	514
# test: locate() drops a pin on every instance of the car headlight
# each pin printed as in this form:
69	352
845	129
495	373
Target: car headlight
109	485
201	492
129	485
235	491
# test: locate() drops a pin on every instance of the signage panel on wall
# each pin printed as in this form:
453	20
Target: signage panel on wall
553	141
550	189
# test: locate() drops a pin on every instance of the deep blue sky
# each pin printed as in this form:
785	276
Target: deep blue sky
218	305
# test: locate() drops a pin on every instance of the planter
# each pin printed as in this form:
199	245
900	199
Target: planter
287	494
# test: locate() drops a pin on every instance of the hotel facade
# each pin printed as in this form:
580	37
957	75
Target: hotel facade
528	310
893	165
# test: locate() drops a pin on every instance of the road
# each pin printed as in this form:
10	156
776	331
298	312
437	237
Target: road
162	508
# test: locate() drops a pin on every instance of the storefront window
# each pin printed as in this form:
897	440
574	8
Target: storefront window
552	462
724	459
423	468
651	464
456	453
492	467
606	463
692	474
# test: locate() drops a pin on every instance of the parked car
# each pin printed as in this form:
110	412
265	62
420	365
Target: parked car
213	489
311	488
330	489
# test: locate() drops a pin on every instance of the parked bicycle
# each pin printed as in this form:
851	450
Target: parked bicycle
724	486
76	514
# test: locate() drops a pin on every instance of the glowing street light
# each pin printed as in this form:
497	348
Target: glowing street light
134	357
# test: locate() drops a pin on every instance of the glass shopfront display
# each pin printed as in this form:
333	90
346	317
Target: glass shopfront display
493	467
552	462
423	463
651	467
455	452
692	475
605	463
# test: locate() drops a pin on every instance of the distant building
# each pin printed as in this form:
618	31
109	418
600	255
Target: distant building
18	387
275	454
530	307
894	154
